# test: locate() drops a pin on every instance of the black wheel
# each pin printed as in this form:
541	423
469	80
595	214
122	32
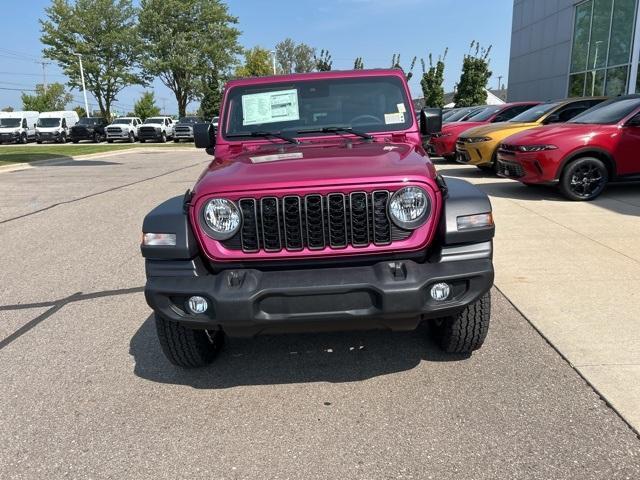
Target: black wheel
63	138
110	140
23	139
584	179
75	141
96	138
39	142
187	347
142	140
131	137
465	332
163	138
176	140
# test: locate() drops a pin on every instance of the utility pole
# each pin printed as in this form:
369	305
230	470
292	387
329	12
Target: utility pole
44	74
273	59
84	89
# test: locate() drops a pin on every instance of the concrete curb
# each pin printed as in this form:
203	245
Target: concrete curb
57	160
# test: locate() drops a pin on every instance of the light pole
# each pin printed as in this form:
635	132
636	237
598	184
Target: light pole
273	59
84	90
595	62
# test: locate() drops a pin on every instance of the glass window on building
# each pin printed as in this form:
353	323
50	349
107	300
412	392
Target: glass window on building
602	44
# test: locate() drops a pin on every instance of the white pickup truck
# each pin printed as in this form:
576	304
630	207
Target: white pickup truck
156	128
123	128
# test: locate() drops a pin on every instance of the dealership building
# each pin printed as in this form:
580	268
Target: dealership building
563	48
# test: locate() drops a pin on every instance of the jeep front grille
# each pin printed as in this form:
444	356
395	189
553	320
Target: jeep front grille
315	222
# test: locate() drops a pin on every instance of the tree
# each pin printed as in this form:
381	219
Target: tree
184	40
475	75
146	106
211	96
432	81
294	58
358	64
323	62
395	63
257	63
80	111
52	99
7	109
104	33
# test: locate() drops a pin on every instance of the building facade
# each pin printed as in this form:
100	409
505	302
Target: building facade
570	48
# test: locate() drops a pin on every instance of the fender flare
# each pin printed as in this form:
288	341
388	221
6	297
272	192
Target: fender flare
583	152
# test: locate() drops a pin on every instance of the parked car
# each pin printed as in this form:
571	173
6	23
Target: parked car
443	144
184	128
214	122
55	126
479	145
89	128
581	156
18	127
123	128
463	114
157	129
350	228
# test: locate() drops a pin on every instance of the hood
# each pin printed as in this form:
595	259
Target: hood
490	128
156	125
9	129
550	134
316	164
459	127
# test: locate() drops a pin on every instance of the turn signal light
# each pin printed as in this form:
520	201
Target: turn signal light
159	239
469	222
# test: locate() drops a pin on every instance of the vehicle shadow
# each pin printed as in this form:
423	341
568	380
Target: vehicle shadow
295	358
17	159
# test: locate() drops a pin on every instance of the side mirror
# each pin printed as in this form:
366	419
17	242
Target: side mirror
553	118
204	135
430	121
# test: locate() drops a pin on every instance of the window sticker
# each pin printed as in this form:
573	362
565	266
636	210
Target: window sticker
392	118
276	157
402	108
270	107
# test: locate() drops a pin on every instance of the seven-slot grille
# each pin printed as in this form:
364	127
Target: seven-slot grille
315	222
183	129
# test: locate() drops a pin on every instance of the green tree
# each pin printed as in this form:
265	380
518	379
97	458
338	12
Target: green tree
475	75
52	99
104	33
257	63
292	57
432	81
80	111
395	63
358	64
323	62
146	106
7	109
184	40
211	96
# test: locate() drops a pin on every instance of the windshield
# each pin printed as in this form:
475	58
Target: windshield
189	120
48	122
366	104
460	114
535	113
87	121
10	122
154	120
485	114
121	121
609	112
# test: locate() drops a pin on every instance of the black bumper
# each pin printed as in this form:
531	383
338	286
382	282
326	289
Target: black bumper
149	135
394	295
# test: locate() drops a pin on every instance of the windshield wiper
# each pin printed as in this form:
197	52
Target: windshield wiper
350	130
265	135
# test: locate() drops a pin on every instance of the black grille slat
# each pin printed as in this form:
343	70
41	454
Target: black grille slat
314	216
270	224
292	215
249	232
336	206
381	222
359	210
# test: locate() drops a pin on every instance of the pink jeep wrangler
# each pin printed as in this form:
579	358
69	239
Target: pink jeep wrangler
320	210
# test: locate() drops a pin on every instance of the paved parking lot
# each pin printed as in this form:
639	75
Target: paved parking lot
87	393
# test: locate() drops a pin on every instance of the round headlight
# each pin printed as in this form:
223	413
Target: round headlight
221	218
409	207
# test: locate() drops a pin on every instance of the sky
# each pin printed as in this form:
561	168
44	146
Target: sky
371	29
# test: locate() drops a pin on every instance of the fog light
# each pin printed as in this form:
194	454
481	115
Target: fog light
197	305
440	291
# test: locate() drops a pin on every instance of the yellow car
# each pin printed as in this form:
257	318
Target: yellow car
478	146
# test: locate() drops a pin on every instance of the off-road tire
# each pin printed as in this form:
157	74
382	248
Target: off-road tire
467	331
579	167
186	347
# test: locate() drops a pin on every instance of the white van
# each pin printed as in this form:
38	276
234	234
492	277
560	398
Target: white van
55	126
18	127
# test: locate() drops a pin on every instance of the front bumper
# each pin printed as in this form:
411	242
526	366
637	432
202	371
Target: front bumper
444	146
538	167
480	153
394	295
148	135
123	135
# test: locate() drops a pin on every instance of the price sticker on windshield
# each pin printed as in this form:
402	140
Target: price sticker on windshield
393	118
270	107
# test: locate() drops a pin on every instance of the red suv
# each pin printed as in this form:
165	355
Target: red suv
443	144
581	156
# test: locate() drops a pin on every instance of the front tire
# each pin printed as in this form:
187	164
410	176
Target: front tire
187	347
163	138
132	138
467	331
24	139
584	179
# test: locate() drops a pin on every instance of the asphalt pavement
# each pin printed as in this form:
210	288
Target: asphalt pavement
86	392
